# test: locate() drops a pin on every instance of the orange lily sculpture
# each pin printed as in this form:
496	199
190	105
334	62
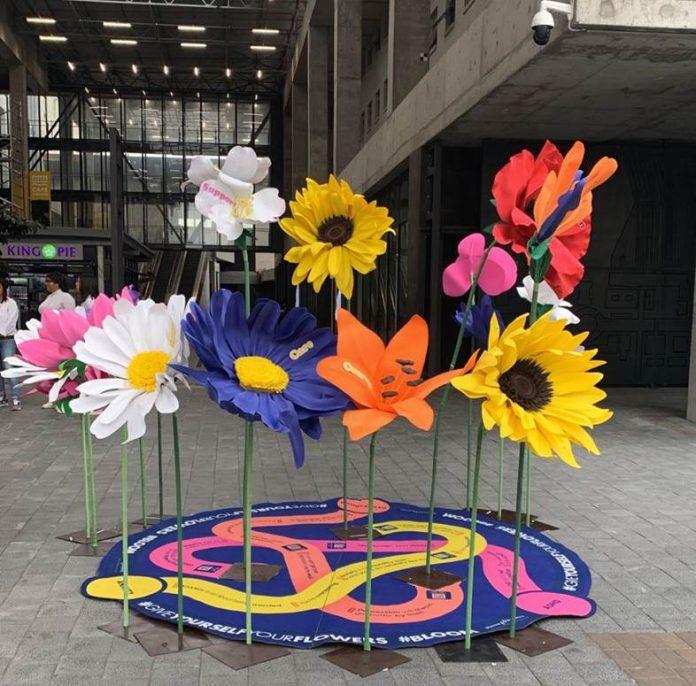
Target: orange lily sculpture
383	382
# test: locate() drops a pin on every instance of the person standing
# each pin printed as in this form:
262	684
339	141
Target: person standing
9	318
87	291
57	298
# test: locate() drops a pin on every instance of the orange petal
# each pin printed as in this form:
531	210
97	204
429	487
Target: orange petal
357	342
348	376
601	173
417	411
409	343
435	382
361	423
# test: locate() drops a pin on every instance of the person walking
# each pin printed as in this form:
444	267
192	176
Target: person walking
57	298
9	318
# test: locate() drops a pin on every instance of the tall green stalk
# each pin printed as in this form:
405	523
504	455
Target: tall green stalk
528	501
345	462
84	428
179	533
472	541
370	535
501	467
247	490
143	486
94	541
518	530
124	528
440	411
160	471
469	425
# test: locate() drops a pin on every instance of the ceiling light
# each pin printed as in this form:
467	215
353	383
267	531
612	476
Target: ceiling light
41	20
52	39
123	41
198	95
130	122
116	24
171	93
200	46
71	65
115	91
263	48
191	28
259	74
228	97
102	66
266	32
256	97
86	90
93	99
196	71
134	68
165	69
144	93
228	72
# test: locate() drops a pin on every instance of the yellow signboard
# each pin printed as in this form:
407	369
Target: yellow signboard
39	185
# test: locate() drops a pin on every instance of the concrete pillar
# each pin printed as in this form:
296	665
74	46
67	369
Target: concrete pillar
347	81
409	30
299	136
318	102
66	161
691	397
19	139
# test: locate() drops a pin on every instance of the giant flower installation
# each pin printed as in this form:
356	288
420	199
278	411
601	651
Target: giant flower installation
538	388
492	268
263	368
383	382
226	196
135	347
338	231
549	198
557	307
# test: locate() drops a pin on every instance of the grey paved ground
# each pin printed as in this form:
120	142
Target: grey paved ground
631	514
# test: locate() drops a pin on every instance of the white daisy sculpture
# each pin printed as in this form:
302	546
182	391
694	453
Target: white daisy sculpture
560	309
135	348
226	196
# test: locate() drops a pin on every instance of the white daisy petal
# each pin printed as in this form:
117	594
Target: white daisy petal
201	170
99	386
166	402
264	164
241	163
268	205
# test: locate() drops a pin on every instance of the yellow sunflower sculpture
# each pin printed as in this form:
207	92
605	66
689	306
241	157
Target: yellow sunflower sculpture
537	386
338	231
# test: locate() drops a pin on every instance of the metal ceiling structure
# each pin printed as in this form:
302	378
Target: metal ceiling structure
148	54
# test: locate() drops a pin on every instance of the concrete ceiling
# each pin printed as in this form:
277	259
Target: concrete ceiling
594	85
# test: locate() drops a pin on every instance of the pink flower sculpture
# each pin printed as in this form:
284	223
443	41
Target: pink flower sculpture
498	274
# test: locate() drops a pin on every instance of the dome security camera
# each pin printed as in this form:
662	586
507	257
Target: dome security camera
542	24
543	21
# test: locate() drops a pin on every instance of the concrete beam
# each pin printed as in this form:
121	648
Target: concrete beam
667	15
299	136
15	50
318	53
347	80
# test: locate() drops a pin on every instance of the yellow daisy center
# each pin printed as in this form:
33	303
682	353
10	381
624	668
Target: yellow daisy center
240	208
144	368
260	374
527	384
336	230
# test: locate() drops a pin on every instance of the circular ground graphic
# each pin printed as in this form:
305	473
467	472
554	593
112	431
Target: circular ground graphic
317	594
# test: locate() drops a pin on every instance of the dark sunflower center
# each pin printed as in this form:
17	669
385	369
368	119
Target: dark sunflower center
526	384
336	230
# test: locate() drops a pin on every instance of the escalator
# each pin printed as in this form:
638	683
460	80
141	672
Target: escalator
160	285
178	271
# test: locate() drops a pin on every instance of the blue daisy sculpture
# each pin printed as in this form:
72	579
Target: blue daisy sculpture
263	368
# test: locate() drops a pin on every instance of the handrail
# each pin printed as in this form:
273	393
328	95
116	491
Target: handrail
39	153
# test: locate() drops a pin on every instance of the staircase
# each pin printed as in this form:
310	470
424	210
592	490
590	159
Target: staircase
178	271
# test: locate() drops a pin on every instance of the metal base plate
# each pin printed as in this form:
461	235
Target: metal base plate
152	518
163	640
259	572
483	649
137	623
533	641
86	550
363	662
353	533
81	536
543	526
240	656
436	579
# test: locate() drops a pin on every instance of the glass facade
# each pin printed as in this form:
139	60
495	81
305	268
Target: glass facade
68	135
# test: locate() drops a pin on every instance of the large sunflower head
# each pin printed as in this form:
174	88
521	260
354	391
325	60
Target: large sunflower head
338	231
538	388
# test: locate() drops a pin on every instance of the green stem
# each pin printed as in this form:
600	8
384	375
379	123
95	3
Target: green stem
124	527
501	467
160	471
247	497
518	530
370	535
472	541
179	532
247	283
532	318
143	495
84	427
469	424
345	463
92	486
